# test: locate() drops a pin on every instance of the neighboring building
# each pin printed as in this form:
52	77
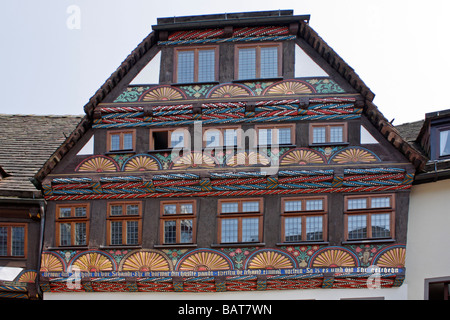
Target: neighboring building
428	258
26	143
257	163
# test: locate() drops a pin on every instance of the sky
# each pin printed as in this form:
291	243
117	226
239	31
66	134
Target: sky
55	54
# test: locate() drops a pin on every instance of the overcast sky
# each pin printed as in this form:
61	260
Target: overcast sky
399	48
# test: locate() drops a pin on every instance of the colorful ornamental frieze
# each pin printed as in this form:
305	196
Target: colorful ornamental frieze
282	156
18	287
161	93
182	113
225	269
228	184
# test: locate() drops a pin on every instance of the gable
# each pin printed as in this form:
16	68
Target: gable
332	76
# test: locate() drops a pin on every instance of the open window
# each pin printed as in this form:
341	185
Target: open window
163	139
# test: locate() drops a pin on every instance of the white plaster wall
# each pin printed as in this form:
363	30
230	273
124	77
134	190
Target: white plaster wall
428	239
399	293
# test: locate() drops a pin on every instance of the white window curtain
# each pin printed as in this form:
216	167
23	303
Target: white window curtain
444	149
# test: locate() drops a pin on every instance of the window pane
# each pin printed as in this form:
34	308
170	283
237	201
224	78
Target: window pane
269	62
170	209
80	212
116	210
265	136
132	209
132	232
247	63
170	231
115	142
186	208
229	230
381	225
116	233
314	228
80	234
295	205
229	207
212	138
127	141
65	212
18	241
186	231
319	134
185	68
336	134
250	206
250	230
65	234
357	203
177	139
3	241
284	136
293	229
357	226
382	202
230	137
312	205
444	138
206	65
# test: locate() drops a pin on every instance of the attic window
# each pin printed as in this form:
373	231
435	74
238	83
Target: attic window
444	142
258	61
196	64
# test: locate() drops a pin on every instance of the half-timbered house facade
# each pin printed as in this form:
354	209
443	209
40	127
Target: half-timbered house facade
255	163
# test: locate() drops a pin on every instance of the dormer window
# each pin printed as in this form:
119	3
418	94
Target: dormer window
196	64
258	61
444	142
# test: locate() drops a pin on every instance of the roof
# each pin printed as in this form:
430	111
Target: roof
131	66
26	143
417	133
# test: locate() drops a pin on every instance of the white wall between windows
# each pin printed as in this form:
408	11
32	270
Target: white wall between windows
428	239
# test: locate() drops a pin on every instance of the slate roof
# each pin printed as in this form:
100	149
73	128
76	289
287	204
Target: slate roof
26	143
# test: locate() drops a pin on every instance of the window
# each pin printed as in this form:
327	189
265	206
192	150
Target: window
13	240
121	140
162	139
328	133
124	223
369	217
258	61
178	222
275	135
196	64
303	219
72	226
240	220
444	142
219	137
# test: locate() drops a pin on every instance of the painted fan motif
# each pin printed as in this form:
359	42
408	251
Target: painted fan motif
93	262
270	260
98	164
145	261
301	156
141	163
288	87
334	258
162	94
204	261
50	263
